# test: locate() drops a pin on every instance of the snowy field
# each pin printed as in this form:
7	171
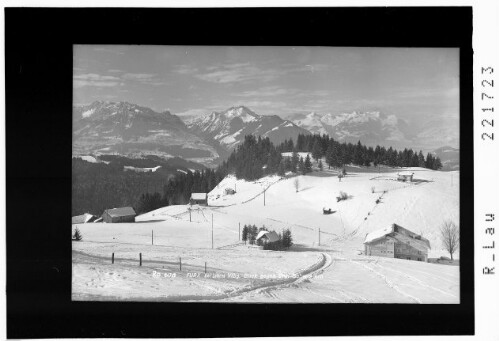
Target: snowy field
332	271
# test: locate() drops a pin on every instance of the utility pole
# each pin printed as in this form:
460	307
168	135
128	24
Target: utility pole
264	196
152	237
239	231
190	218
212	230
319	236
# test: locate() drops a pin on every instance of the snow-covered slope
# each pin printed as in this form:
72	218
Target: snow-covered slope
421	206
345	276
230	126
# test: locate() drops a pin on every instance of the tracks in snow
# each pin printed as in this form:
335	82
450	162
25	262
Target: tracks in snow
265	289
389	282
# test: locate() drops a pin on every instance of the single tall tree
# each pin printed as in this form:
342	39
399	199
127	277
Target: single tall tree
281	170
294	161
437	164
331	154
317	150
308	164
245	233
301	166
449	233
287	239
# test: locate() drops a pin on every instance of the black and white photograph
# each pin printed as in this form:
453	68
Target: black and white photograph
265	174
254	170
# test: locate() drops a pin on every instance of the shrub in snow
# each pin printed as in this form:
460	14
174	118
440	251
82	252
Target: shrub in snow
77	235
342	196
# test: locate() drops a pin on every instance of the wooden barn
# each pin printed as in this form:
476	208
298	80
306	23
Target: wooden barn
119	215
397	242
83	219
267	237
199	199
405	176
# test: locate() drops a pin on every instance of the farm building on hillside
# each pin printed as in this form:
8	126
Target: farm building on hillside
267	237
397	242
405	176
83	219
199	199
119	215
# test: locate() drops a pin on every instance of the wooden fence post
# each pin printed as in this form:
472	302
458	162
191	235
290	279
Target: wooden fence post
152	237
204	267
180	262
112	259
140	257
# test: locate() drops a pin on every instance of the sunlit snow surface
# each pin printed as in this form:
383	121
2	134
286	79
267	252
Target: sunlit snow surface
336	269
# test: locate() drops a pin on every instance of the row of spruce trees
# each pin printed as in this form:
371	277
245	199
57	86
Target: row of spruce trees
257	157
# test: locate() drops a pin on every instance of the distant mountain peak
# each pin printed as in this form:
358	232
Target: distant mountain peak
130	129
231	125
242	112
371	127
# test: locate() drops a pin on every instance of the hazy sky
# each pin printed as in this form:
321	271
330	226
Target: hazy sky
412	83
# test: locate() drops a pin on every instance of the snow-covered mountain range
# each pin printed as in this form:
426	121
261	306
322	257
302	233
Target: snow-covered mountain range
371	128
134	131
230	126
128	129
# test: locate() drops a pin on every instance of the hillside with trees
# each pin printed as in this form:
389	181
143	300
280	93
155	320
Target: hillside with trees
257	157
98	186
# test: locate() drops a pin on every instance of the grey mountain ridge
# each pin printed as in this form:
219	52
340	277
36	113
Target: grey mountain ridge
230	126
132	130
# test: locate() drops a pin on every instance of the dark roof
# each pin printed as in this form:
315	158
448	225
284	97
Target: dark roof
120	211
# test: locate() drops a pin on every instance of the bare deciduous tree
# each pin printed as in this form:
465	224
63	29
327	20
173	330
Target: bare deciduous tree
297	184
449	233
